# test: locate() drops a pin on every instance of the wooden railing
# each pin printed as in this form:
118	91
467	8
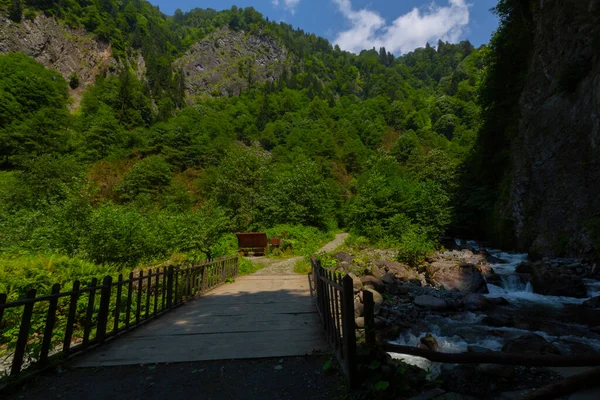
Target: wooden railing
335	303
56	326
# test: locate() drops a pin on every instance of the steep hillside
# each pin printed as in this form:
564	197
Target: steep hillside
227	62
56	46
542	127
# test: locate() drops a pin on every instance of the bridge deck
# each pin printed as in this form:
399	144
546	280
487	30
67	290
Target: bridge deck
254	317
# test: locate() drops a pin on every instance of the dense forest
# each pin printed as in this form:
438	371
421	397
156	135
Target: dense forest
371	143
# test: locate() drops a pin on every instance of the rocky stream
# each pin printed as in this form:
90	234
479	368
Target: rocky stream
473	299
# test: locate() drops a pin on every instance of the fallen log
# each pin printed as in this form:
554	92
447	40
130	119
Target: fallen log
495	357
567	386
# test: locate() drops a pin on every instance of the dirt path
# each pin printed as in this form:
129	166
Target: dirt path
286	267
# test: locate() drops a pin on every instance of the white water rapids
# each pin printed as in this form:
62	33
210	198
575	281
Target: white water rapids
464	329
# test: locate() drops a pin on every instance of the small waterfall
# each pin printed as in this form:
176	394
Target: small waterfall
516	283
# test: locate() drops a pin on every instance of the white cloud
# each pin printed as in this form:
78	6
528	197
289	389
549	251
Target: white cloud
405	33
287	4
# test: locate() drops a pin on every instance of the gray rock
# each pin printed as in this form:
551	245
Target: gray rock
371	281
388	279
498	301
457	276
530	343
432	303
552	281
593	302
476	302
428	342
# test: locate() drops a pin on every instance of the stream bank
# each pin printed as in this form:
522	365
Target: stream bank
473	299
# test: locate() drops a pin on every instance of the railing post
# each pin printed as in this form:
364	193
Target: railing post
348	328
50	320
170	287
87	328
369	316
103	311
223	272
23	335
3	298
71	318
118	303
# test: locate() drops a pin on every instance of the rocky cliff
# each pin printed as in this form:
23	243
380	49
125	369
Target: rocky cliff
59	47
555	154
226	63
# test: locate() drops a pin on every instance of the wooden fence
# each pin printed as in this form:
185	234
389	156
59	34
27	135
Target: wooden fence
54	327
335	304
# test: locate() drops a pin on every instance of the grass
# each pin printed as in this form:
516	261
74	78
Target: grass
247	267
302	267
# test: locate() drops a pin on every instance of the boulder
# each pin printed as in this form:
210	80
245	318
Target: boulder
594	302
524	268
388	279
595	329
498	301
551	281
428	342
432	303
359	309
490	275
530	343
377	299
360	322
371	281
476	302
399	270
452	275
342	256
398	290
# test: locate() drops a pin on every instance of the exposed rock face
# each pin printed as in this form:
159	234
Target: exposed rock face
555	153
59	47
227	62
452	275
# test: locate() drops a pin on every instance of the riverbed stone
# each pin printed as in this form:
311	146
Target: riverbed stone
452	275
499	321
432	303
498	301
428	342
594	302
388	279
530	343
371	281
476	302
551	281
360	322
399	270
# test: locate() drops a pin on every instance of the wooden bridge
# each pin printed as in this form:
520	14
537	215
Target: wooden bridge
253	317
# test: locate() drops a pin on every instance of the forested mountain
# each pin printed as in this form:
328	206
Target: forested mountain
228	122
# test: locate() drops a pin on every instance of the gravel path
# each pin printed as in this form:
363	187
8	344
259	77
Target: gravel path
286	267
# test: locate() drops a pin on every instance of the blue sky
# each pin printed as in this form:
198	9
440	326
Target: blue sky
398	25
